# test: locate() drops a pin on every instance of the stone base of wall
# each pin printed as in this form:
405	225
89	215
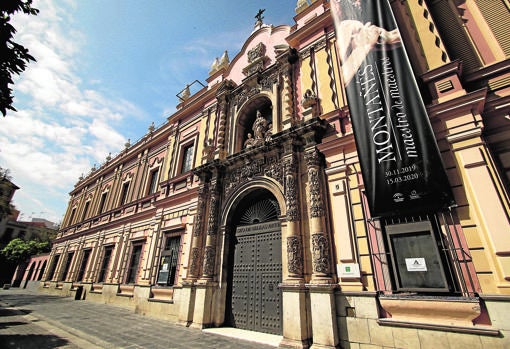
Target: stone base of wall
138	298
361	325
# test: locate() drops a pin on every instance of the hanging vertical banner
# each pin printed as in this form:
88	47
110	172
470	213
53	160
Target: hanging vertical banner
400	161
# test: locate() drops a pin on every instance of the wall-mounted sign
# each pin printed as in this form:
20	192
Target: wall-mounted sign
348	270
416	264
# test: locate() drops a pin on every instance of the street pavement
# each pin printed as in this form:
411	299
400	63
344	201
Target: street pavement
32	320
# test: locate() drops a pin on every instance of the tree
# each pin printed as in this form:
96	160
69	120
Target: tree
5	193
18	250
13	56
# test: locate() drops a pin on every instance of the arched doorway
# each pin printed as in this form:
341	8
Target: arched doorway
254	301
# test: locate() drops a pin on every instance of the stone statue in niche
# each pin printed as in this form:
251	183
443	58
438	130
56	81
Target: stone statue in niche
262	131
250	141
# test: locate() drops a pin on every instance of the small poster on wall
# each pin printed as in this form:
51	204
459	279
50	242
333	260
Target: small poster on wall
416	264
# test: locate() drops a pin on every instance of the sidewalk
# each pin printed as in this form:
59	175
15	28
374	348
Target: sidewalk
29	319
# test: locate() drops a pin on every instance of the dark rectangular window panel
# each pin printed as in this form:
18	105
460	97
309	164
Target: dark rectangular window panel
153	181
168	262
104	266
83	266
124	193
67	265
416	258
71	218
136	255
53	267
85	210
187	159
102	202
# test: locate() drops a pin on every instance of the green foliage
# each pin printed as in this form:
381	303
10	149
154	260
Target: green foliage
5	189
18	250
13	56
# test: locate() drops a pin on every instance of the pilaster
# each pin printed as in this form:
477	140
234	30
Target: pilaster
323	312
319	239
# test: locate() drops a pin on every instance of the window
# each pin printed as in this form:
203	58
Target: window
71	217
67	266
53	267
104	266
153	181
85	210
41	272
136	255
102	202
168	264
124	193
416	259
187	158
83	266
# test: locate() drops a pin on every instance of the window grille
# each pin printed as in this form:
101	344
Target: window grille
451	247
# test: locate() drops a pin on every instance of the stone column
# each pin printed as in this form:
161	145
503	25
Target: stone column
202	315
321	256
209	266
188	291
296	325
196	242
223	98
286	59
293	237
322	297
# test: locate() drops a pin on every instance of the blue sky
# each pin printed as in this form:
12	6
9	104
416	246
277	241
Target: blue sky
105	71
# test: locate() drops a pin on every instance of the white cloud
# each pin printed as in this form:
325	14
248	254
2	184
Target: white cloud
62	125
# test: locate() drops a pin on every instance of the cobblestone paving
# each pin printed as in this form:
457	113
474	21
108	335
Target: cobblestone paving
34	320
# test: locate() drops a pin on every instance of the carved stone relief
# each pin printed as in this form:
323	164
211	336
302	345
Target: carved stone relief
213	219
256	52
245	94
294	256
257	60
195	260
263	166
200	211
291	190
316	206
320	253
313	162
209	261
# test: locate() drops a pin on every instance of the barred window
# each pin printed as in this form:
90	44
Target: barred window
134	263
104	265
168	263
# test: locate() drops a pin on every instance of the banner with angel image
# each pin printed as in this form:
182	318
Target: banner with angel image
400	161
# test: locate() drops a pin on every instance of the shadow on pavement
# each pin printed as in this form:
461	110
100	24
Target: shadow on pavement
9	312
10	324
29	341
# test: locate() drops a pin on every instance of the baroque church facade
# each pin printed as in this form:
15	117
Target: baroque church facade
247	208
